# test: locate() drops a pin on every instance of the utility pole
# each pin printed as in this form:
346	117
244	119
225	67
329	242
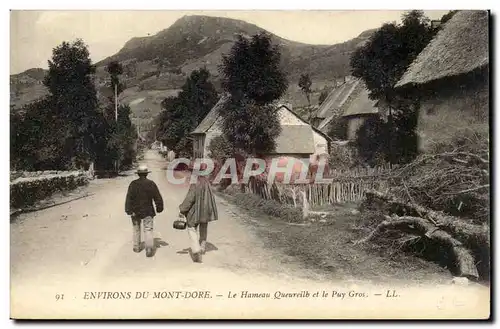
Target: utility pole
391	152
116	117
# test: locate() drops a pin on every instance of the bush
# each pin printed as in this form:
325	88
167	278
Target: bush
342	157
220	149
371	140
338	129
25	191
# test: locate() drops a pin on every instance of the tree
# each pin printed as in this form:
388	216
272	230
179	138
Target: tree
115	69
338	129
381	62
370	141
181	114
322	97
385	57
73	100
219	148
122	139
252	76
252	70
305	85
250	128
405	120
38	137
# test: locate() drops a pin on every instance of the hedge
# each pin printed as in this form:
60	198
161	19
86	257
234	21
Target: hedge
32	187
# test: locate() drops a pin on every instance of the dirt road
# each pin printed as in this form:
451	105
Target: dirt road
61	255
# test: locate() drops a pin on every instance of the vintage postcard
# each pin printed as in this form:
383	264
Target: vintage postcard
250	164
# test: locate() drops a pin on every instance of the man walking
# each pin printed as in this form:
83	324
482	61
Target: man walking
139	204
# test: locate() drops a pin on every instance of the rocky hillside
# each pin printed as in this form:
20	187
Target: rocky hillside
156	66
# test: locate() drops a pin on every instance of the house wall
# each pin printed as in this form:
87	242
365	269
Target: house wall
451	107
213	132
320	146
353	125
198	141
286	118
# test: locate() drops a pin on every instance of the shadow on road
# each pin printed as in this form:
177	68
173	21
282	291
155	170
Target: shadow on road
184	251
209	247
158	243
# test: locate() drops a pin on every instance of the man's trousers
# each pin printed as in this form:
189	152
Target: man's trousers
147	223
198	237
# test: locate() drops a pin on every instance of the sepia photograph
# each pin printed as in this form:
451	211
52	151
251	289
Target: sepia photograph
250	164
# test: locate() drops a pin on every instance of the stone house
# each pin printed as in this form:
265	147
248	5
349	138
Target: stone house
298	139
450	80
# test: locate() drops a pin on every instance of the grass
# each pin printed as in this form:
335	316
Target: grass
269	207
327	245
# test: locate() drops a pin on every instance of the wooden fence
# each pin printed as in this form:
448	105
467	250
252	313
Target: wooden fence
385	170
343	186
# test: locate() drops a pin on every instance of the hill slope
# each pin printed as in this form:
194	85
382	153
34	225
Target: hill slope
157	66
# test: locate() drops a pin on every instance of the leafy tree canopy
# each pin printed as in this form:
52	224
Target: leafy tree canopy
322	97
252	70
183	113
250	128
384	58
252	76
305	85
74	99
115	69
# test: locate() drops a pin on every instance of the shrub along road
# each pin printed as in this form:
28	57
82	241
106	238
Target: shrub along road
63	256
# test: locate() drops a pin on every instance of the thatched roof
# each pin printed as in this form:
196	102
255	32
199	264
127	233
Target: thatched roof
460	47
361	105
355	102
336	98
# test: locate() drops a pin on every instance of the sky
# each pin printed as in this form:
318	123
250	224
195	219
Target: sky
33	34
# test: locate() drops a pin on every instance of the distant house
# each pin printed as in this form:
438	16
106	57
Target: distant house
331	106
450	79
298	139
357	111
348	102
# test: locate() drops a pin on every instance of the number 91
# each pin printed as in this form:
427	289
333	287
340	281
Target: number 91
59	296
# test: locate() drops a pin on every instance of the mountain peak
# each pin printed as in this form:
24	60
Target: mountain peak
192	34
